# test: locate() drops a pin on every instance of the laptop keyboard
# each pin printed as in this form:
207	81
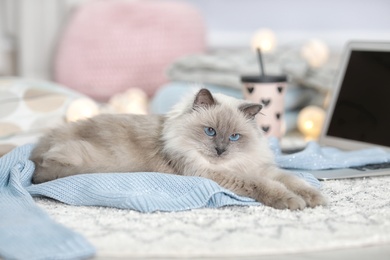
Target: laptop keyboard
372	166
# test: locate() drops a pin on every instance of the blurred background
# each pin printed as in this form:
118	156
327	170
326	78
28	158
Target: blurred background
142	56
30	28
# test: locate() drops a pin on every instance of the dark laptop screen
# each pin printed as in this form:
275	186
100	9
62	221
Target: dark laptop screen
362	110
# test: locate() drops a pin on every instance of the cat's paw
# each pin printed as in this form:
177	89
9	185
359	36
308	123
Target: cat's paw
288	201
312	197
301	188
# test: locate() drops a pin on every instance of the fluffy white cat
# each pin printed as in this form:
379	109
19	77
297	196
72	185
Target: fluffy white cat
212	136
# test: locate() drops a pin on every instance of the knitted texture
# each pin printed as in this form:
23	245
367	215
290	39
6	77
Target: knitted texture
110	46
27	232
145	192
316	157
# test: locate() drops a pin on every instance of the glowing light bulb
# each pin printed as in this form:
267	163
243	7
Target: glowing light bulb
264	39
81	109
134	101
309	125
310	121
315	52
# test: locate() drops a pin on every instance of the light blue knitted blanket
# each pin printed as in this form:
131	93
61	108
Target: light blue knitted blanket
27	232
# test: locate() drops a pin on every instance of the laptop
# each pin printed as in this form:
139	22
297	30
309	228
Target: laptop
358	116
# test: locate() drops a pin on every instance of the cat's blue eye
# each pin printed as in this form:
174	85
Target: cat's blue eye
234	137
210	131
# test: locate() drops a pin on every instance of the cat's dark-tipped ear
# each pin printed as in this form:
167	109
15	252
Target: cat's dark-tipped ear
203	99
250	110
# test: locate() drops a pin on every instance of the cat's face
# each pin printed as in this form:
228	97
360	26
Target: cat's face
217	131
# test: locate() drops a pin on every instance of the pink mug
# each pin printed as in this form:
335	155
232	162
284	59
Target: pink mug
269	91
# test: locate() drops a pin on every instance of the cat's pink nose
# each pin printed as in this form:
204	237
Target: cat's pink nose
220	150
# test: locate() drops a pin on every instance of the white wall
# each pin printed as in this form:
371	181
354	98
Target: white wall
232	22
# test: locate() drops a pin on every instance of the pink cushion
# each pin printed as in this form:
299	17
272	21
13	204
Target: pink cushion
110	46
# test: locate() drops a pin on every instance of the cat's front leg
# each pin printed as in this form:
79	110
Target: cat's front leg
309	194
265	190
274	194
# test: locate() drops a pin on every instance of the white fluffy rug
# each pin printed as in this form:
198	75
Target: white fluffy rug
358	214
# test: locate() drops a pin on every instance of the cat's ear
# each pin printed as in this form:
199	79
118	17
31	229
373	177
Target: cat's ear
203	99
250	110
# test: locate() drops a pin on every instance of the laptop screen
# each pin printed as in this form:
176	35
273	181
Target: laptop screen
362	109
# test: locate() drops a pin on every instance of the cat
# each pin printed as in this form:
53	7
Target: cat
208	135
